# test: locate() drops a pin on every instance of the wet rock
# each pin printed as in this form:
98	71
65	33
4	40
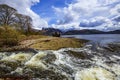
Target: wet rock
4	69
50	75
79	55
49	58
12	65
15	77
113	47
66	69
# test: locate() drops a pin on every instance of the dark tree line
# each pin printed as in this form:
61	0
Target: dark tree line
10	17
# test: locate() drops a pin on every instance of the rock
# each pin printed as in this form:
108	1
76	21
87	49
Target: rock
79	55
113	47
49	58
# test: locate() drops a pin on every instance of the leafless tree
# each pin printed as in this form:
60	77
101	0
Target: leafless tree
23	22
7	15
10	17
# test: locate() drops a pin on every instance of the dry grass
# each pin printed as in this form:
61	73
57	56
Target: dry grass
41	42
54	43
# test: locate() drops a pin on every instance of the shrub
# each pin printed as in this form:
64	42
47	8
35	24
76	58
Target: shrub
9	36
56	34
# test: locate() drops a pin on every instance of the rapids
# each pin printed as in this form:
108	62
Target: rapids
91	62
65	64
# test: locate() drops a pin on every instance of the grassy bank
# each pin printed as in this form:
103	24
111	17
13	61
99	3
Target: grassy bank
55	43
40	42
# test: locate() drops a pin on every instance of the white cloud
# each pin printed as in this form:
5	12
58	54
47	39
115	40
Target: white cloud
70	26
116	10
92	11
24	7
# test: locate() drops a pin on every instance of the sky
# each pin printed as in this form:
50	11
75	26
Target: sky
70	14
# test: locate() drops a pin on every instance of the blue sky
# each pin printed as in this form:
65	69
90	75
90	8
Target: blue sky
45	10
70	14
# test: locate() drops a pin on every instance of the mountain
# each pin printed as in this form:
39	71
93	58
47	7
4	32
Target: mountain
90	31
84	31
50	31
114	32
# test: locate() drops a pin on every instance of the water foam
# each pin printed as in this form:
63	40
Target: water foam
94	74
36	62
22	57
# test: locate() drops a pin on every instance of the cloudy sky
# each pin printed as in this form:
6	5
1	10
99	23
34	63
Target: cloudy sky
70	14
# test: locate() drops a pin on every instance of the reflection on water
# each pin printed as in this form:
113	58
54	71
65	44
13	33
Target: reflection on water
91	62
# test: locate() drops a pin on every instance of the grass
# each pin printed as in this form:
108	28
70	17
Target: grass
55	43
14	40
40	42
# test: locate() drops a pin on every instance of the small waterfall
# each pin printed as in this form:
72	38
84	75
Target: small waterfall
83	63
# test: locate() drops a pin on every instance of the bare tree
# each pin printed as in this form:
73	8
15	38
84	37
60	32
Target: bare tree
10	17
28	23
20	21
23	22
7	15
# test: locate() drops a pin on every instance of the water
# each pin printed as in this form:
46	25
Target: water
91	62
101	38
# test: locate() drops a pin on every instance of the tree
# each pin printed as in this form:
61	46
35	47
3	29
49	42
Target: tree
28	24
7	15
10	17
23	22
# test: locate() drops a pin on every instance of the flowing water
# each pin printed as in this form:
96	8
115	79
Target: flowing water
97	60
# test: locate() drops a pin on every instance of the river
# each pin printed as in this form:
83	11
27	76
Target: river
99	59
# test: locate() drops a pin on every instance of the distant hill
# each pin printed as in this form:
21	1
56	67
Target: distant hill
50	31
114	32
88	31
84	31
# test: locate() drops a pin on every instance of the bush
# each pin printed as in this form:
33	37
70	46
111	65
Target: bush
56	34
9	36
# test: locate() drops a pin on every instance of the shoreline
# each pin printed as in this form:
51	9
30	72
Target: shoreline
46	43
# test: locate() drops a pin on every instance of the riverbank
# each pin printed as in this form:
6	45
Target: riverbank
45	43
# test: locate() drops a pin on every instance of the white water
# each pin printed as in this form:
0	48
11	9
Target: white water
92	62
36	62
94	68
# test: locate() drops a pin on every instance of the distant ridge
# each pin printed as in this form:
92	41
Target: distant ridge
90	31
50	31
